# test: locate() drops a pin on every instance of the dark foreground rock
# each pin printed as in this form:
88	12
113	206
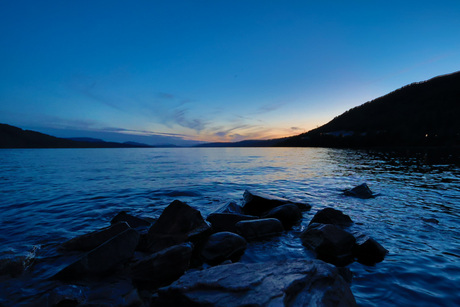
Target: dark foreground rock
230	207
227	221
361	191
93	239
293	283
177	224
132	220
162	268
368	251
104	258
260	203
332	216
331	243
259	229
288	215
223	246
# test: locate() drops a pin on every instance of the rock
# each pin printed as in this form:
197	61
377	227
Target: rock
132	220
67	295
259	229
259	203
162	268
104	258
227	221
367	250
93	239
293	283
223	246
331	216
230	207
178	223
288	215
430	220
331	243
361	191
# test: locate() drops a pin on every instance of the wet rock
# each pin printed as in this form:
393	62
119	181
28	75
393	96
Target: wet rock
361	191
288	215
230	207
331	243
93	239
293	283
259	229
367	250
332	216
223	246
260	203
132	220
227	221
162	268
68	295
103	259
177	224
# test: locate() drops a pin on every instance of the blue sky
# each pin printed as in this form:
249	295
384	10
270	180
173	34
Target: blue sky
180	71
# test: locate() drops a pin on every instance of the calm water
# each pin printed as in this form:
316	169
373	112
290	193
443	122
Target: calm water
50	195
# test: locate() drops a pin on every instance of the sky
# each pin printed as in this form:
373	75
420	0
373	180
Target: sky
181	72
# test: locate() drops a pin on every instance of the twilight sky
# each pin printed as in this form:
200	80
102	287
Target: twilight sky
173	71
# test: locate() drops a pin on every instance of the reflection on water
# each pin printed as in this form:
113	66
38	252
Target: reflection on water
50	195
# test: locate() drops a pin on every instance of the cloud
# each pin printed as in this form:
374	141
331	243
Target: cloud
270	107
296	128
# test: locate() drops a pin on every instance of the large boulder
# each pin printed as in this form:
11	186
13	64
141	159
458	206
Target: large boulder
227	221
133	221
259	229
368	251
361	191
162	268
332	216
104	258
93	239
230	207
293	283
288	215
331	243
258	204
223	246
177	223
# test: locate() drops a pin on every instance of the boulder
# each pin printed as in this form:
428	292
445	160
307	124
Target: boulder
260	203
361	191
331	243
230	207
223	246
66	295
288	215
368	251
162	268
104	258
332	216
227	221
93	239
177	223
132	220
259	229
293	283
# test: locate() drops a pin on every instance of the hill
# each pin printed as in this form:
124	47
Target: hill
420	114
14	137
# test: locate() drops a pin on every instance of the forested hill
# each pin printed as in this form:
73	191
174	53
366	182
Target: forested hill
420	114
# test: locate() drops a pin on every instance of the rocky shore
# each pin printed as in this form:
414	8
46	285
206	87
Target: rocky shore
183	259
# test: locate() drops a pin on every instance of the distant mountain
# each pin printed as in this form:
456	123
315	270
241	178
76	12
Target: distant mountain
14	137
84	139
247	143
420	114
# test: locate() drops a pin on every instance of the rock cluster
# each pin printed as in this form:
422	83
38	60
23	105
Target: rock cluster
181	259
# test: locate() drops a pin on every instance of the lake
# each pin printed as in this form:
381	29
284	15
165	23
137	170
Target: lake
50	195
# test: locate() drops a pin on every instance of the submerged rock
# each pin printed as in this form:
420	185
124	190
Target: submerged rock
260	203
361	191
293	283
223	246
367	250
331	243
132	220
430	220
93	239
227	221
104	258
332	216
164	267
177	223
259	229
288	215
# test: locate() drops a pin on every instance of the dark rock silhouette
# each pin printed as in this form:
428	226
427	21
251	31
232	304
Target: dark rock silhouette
132	220
256	203
230	207
259	229
367	250
331	216
223	246
361	191
288	215
227	221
